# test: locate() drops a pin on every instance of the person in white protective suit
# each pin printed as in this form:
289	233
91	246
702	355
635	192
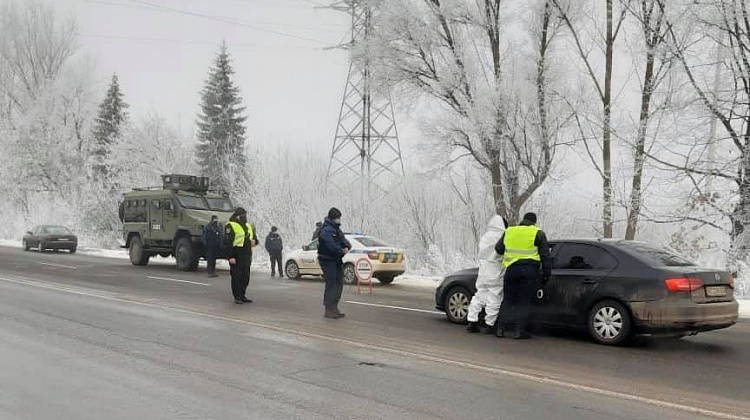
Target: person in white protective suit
489	284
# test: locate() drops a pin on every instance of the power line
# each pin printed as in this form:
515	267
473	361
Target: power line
183	41
228	20
158	8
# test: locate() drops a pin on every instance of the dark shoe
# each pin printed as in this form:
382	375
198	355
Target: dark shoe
339	313
213	276
273	274
522	335
330	313
489	329
473	327
238	301
500	331
246	300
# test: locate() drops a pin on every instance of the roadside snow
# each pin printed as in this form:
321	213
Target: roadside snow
744	308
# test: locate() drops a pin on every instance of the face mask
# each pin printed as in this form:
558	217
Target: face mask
243	219
337	221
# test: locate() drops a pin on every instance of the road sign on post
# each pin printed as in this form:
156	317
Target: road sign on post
363	272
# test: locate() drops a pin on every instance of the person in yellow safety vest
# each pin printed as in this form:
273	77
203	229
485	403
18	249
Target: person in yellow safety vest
526	257
239	240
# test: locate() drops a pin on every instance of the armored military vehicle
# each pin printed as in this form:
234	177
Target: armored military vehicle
168	220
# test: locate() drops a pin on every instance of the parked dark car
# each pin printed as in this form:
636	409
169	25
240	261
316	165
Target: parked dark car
616	289
56	238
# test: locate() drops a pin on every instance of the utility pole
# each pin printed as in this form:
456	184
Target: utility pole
366	149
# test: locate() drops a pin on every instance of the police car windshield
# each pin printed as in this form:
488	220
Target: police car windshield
220	204
192	202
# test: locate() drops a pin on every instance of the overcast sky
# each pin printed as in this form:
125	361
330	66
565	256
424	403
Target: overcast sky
290	81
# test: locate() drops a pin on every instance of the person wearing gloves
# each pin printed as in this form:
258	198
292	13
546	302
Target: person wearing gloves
332	246
526	257
239	239
489	284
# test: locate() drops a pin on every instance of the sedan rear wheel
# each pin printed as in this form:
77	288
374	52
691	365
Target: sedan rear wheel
25	245
457	304
609	323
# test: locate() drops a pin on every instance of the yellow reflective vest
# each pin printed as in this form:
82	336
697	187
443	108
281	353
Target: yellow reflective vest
239	234
519	245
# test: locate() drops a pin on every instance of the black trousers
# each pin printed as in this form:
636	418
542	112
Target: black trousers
520	284
240	273
276	261
333	274
211	259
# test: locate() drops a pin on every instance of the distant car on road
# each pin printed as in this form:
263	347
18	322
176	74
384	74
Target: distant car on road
616	289
387	261
50	237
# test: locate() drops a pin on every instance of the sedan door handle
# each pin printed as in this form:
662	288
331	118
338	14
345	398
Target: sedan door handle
589	281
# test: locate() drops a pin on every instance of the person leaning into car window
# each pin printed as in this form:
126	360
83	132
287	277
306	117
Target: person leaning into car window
525	251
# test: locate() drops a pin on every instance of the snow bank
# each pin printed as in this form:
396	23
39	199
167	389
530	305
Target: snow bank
424	282
744	308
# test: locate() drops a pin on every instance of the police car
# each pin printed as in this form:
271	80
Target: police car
387	262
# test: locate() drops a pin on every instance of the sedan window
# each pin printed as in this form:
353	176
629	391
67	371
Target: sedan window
368	241
658	256
583	257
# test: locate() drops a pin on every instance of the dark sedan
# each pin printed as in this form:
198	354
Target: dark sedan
616	289
47	237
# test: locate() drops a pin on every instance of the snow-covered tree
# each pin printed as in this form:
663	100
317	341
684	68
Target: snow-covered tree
221	127
112	114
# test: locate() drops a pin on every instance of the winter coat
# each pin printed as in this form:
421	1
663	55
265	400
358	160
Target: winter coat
331	242
212	235
274	244
491	269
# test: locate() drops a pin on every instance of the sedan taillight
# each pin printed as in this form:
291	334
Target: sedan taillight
683	284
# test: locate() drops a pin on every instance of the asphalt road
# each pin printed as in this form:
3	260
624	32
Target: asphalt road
86	337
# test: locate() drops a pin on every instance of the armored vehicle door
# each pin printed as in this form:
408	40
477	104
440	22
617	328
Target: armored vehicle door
158	230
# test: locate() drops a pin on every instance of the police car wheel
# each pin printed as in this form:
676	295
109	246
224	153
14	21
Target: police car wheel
25	245
292	270
385	279
349	276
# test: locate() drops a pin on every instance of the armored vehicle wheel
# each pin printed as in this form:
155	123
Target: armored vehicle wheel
185	255
137	255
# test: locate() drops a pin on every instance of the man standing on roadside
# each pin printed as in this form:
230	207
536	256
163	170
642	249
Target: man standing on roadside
239	239
212	242
332	246
275	248
526	256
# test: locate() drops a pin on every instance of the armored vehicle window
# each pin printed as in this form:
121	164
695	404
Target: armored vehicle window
168	205
192	202
143	203
220	204
157	204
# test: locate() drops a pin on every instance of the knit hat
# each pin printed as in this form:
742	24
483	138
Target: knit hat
274	228
531	217
239	211
334	213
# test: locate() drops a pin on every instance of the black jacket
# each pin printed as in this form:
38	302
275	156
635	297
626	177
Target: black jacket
212	234
274	244
331	242
540	241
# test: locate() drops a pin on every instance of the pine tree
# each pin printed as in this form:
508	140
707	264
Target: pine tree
221	129
111	116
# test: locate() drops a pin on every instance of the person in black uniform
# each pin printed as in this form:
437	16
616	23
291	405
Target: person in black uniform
239	240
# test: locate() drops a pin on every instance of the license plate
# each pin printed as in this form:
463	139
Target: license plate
716	291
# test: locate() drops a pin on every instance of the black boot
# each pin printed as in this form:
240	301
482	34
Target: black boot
489	329
339	313
521	334
332	314
473	327
500	331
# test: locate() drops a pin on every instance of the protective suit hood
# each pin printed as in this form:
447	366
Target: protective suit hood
490	263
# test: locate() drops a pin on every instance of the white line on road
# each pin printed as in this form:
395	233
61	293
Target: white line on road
178	280
59	265
376	305
533	377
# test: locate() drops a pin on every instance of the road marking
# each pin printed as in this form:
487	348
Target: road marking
532	377
375	305
59	265
178	280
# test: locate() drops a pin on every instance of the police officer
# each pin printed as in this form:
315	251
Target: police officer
239	240
332	246
526	256
212	243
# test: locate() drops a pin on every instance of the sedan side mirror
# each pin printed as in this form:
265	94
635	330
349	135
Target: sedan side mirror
28	232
